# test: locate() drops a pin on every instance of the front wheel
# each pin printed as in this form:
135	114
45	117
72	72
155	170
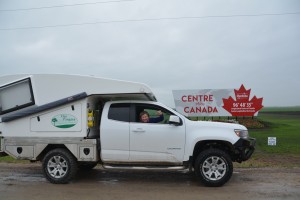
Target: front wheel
213	167
59	166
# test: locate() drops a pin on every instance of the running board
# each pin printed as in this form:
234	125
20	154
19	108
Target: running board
127	167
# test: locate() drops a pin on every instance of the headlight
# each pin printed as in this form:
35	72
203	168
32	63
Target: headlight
241	133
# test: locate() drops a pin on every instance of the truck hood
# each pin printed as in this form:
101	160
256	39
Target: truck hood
216	124
206	130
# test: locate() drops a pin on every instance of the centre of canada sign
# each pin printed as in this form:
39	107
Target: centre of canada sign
217	102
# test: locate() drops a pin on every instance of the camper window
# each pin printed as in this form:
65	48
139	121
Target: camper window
15	96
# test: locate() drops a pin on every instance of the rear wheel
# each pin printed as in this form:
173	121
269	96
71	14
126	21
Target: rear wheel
213	167
59	166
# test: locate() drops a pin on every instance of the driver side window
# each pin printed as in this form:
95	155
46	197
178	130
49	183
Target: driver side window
147	113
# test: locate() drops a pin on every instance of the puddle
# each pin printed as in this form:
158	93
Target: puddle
109	182
23	178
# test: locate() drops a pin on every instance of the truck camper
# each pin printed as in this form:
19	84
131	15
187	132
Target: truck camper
72	122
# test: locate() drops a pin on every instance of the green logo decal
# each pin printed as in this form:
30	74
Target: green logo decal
64	121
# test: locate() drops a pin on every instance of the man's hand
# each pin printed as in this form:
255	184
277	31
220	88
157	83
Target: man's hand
159	113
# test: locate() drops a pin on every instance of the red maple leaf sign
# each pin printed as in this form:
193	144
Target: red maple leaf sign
242	106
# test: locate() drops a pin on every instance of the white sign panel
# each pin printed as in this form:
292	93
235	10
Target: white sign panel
221	102
271	141
208	102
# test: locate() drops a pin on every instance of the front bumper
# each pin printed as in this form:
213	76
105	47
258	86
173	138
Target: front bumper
243	149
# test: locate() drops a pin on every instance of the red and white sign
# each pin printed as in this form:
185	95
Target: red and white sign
211	102
242	106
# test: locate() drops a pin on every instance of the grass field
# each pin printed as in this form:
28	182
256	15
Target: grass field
284	124
9	159
285	127
281	109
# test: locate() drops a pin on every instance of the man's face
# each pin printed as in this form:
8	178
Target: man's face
145	118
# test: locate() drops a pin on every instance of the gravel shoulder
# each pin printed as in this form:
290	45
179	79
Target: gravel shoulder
26	181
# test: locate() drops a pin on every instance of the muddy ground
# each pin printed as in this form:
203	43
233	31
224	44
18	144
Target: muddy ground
26	181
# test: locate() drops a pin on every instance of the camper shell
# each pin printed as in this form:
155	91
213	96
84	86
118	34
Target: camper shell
29	102
71	122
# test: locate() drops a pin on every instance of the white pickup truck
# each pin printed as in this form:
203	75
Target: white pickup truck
42	120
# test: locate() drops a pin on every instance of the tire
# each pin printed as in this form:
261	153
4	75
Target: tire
59	166
86	166
213	167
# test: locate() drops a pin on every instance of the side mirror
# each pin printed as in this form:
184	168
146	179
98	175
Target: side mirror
174	120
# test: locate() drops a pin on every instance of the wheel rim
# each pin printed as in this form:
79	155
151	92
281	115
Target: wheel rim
57	166
214	168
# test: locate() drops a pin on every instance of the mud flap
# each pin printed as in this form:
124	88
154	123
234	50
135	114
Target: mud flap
2	154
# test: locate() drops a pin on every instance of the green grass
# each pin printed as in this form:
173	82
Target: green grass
280	109
284	124
9	159
286	129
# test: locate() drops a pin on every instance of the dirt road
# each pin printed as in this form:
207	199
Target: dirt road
26	181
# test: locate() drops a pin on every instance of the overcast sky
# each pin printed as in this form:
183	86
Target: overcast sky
227	43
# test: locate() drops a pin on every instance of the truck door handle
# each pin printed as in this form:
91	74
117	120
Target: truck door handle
138	130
